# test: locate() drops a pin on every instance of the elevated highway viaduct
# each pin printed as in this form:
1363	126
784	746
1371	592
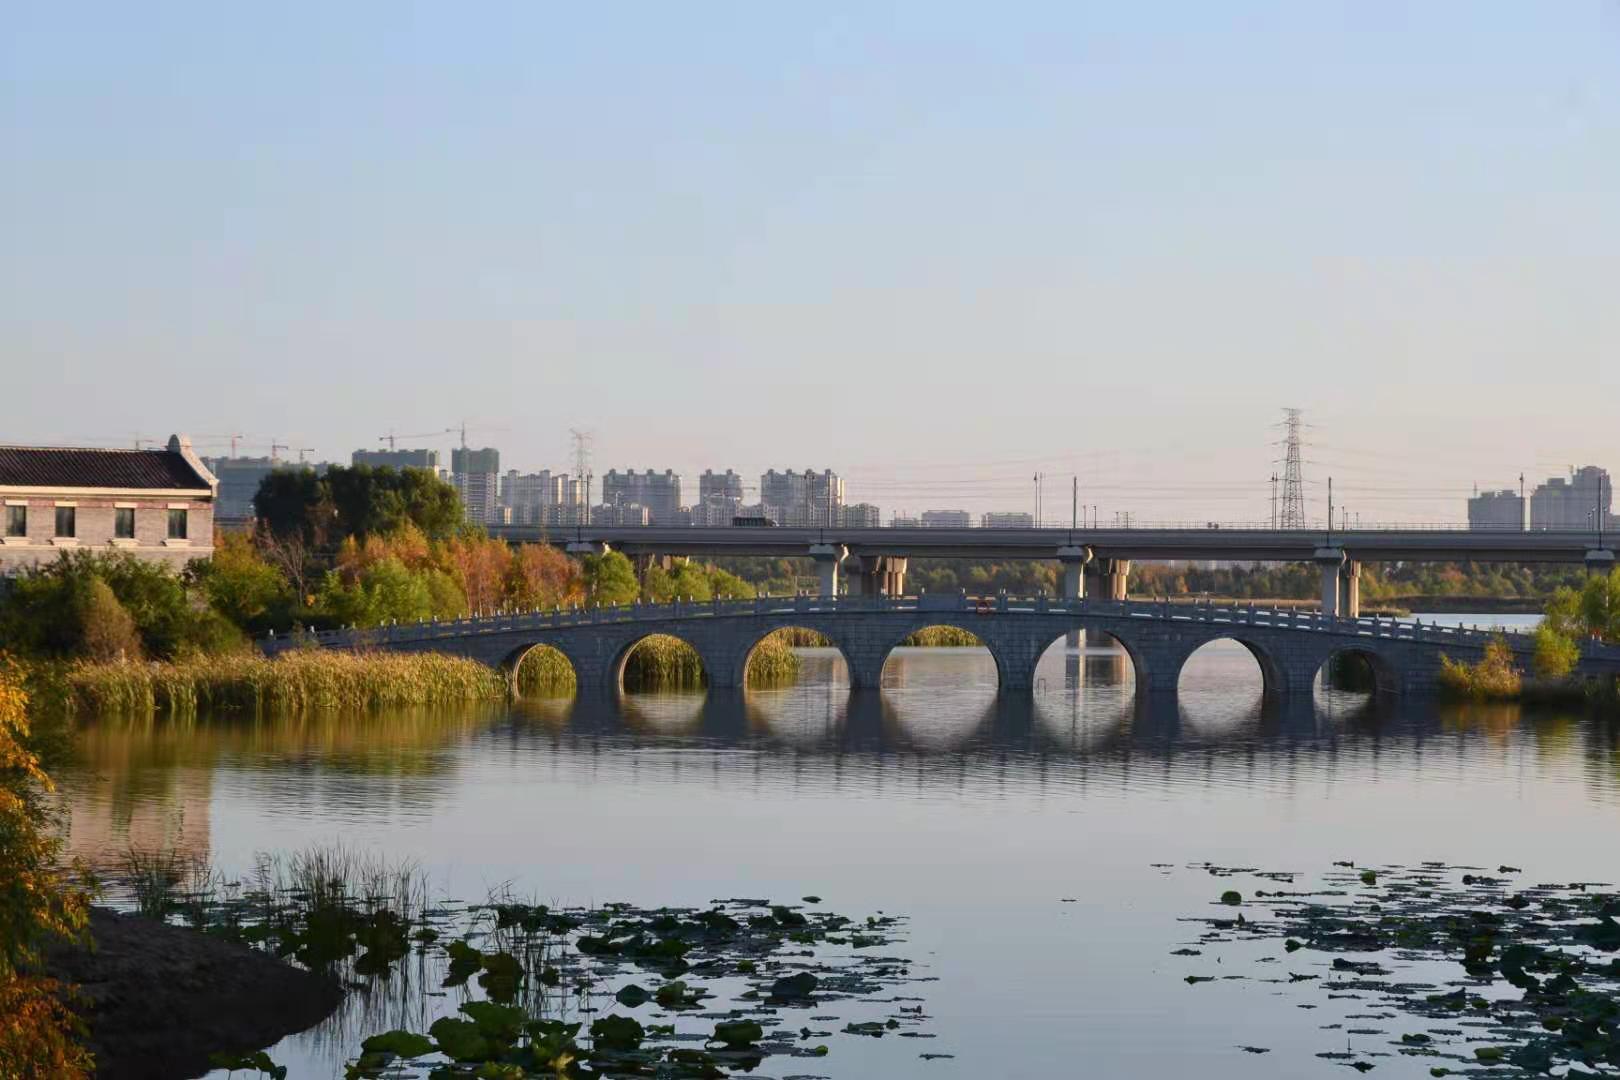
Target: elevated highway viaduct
1095	562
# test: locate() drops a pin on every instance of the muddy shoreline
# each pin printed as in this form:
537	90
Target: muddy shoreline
160	999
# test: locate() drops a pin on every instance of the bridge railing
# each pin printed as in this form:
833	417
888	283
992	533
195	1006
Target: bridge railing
1237	615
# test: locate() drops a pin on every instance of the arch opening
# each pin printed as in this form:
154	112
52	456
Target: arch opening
1354	675
1224	682
938	656
543	671
659	664
791	656
1086	659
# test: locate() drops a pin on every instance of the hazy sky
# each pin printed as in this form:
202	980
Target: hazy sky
934	246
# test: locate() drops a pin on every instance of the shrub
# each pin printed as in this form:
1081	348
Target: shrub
108	633
1493	678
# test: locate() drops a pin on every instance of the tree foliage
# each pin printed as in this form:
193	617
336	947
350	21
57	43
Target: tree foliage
610	579
357	501
38	903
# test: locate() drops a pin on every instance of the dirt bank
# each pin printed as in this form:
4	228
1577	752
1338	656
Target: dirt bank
159	999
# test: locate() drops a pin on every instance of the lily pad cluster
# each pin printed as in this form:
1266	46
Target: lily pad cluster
1471	971
668	992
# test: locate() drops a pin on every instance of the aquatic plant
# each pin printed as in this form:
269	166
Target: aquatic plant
297	681
1537	990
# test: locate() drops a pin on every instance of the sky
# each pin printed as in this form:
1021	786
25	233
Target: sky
938	247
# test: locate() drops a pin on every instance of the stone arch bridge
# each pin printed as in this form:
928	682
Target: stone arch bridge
1290	646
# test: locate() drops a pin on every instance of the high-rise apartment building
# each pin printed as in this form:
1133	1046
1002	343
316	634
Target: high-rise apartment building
862	516
1496	510
719	497
525	497
1007	520
239	479
946	519
1568	503
802	499
660	493
477	476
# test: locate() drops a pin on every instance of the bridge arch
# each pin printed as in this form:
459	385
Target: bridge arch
1273	678
798	636
981	636
1357	669
541	669
672	659
1097	657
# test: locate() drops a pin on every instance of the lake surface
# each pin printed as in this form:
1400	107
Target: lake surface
1018	836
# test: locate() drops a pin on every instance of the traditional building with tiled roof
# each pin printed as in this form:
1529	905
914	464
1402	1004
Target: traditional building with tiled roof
156	504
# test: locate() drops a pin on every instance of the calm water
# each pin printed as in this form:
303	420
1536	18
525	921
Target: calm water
974	816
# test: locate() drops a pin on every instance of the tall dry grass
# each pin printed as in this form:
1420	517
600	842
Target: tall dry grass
300	681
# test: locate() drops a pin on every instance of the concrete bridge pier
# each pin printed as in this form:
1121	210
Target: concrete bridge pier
1330	560
1072	586
1350	589
1110	578
827	557
875	575
1599	561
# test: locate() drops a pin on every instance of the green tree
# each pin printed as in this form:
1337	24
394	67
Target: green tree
1600	605
384	592
610	579
241	585
357	501
1555	655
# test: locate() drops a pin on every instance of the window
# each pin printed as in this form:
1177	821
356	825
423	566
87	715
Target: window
67	520
177	524
16	521
124	523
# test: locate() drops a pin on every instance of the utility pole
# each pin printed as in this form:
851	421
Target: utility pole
1524	510
1330	512
1074	503
1273	502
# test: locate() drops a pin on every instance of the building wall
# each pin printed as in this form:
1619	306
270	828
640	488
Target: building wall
863	516
802	498
660	493
1007	521
1496	510
1567	502
946	519
94	528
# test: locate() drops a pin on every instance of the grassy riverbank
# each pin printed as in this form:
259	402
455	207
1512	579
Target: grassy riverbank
242	682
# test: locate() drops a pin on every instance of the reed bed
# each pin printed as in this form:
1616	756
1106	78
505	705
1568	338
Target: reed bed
545	672
663	662
301	681
773	661
942	637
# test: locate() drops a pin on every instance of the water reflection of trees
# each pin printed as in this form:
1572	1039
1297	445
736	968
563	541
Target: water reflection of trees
148	784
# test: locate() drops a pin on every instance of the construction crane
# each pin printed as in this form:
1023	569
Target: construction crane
391	437
302	450
275	446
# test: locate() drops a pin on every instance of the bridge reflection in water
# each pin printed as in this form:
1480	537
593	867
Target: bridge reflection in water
945	701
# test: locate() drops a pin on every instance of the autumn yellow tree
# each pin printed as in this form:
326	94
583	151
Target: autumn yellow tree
38	1031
